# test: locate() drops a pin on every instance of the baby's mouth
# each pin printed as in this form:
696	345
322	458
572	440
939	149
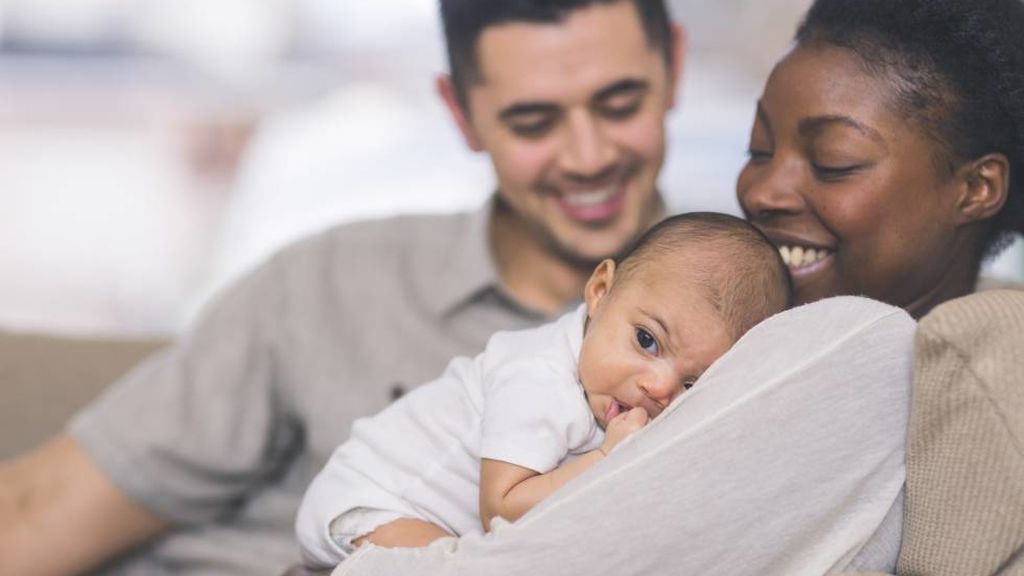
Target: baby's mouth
614	409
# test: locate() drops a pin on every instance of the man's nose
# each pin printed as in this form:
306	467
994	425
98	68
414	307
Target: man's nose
587	152
771	190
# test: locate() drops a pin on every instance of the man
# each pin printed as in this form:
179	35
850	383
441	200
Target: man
196	461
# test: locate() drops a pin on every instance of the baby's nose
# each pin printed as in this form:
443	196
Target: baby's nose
662	388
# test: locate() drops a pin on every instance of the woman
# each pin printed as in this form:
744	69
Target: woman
885	160
886	155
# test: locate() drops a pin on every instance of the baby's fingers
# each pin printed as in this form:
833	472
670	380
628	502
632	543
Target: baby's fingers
638	417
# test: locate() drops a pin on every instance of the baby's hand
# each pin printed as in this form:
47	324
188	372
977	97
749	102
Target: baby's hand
622	426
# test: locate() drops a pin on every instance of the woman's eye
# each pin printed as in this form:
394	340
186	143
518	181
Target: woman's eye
646	341
829	173
687	384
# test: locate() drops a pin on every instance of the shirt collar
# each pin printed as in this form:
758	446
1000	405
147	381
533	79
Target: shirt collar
467	270
468	273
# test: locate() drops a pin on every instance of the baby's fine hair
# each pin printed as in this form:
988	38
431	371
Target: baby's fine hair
737	267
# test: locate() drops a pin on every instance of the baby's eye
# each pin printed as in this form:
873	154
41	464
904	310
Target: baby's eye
646	341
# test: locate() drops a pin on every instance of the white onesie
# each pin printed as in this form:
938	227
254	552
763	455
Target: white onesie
519	401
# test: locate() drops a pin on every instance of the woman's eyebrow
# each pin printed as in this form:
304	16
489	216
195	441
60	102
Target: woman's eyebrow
818	123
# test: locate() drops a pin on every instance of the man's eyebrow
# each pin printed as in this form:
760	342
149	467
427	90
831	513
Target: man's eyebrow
527	109
817	123
622	86
627	85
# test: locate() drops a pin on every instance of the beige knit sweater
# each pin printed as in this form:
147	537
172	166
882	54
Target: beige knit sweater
965	461
965	486
964	513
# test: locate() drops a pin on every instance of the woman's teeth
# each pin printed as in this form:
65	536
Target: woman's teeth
798	256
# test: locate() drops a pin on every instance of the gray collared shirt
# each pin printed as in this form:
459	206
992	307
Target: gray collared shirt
221	434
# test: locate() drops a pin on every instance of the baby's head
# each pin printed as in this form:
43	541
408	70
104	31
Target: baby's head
685	292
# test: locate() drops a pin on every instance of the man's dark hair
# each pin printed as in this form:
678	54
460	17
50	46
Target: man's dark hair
465	20
737	268
957	70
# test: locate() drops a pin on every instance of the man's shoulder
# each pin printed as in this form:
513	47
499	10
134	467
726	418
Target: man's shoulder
377	240
411	230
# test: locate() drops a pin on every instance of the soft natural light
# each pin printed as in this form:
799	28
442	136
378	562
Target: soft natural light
154	150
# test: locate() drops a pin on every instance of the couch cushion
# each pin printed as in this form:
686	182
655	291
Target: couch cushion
44	379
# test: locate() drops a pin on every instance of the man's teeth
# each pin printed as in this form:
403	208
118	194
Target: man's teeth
587	199
797	256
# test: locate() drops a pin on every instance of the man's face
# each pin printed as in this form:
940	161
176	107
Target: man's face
573	117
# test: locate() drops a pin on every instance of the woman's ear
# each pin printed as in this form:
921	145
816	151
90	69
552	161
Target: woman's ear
986	186
449	95
599	285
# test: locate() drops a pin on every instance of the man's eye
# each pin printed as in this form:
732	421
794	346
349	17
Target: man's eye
688	383
646	341
622	111
532	129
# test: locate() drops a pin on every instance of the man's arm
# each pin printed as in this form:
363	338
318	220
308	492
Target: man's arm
60	514
509	491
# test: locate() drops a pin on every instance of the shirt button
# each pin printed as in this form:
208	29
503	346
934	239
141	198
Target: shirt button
397	391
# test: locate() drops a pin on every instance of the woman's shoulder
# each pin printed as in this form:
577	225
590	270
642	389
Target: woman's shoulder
992	315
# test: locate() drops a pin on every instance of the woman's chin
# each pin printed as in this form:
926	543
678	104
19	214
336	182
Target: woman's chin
814	282
808	290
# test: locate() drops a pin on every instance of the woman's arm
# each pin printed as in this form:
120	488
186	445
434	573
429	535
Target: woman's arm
509	491
784	459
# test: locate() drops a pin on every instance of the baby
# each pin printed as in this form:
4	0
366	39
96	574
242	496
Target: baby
496	434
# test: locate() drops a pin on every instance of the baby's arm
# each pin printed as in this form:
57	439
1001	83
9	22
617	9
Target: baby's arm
510	491
403	533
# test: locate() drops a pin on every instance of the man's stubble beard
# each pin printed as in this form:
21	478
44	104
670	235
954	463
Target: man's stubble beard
573	258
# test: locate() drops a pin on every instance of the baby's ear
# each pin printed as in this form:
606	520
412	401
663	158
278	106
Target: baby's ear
599	285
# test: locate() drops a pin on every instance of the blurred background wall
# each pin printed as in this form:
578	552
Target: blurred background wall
150	150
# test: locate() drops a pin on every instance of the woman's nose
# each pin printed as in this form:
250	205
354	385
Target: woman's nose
769	189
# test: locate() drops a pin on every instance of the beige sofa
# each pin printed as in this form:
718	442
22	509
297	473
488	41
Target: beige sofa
965	487
44	379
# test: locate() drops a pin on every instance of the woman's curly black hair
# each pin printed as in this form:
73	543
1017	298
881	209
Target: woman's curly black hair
958	71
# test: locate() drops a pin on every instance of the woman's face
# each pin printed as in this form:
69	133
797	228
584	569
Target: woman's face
848	189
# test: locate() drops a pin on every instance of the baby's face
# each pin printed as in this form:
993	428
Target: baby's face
649	337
